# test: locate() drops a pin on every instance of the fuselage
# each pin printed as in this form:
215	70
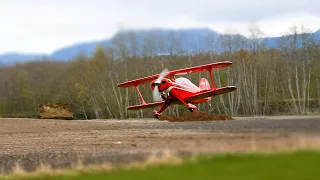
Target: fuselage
179	88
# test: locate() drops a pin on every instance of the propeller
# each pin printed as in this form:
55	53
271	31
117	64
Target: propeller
155	92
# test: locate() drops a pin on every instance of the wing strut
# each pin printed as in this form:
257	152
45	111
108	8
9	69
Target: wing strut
141	98
213	87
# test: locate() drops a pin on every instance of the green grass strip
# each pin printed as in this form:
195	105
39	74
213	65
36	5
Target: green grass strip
302	165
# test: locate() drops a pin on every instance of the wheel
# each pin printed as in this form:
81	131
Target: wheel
191	107
156	114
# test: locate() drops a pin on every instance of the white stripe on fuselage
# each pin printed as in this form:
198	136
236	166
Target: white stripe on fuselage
171	87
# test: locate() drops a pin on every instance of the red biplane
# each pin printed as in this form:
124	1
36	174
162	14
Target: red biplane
167	90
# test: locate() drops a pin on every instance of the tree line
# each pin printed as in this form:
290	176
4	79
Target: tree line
269	81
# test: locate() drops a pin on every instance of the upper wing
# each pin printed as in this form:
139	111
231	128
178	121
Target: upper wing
144	106
138	81
209	93
201	68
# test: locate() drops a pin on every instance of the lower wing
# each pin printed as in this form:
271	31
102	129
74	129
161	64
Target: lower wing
209	93
144	106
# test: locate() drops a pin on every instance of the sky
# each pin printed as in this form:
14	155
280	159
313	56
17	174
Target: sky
42	26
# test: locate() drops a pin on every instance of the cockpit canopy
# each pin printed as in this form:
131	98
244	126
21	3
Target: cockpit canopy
186	82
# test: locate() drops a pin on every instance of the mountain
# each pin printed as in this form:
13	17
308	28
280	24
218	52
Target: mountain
165	40
72	51
13	58
137	42
317	33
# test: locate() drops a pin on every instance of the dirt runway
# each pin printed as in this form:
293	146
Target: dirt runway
30	143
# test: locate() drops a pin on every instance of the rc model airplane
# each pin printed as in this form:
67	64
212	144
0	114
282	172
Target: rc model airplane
167	90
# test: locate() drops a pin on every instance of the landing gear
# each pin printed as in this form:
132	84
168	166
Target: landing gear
156	114
191	107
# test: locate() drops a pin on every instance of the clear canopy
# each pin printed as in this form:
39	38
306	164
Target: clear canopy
186	82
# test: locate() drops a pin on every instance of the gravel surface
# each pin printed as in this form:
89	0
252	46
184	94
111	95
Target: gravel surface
29	143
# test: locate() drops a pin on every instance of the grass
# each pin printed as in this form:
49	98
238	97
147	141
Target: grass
291	165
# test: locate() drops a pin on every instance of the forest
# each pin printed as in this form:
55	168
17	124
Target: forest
278	81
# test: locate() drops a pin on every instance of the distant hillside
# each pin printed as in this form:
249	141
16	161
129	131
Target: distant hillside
317	33
191	39
13	58
70	52
138	42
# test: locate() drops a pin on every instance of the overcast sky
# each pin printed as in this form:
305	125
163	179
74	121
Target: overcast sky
46	25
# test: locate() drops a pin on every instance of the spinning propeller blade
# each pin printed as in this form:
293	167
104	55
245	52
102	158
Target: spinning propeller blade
163	74
155	92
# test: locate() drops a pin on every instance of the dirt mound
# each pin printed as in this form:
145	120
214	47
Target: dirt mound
55	111
196	116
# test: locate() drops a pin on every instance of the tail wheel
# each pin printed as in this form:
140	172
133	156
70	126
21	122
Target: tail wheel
191	109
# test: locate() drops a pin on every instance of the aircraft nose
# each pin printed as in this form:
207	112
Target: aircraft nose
162	85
